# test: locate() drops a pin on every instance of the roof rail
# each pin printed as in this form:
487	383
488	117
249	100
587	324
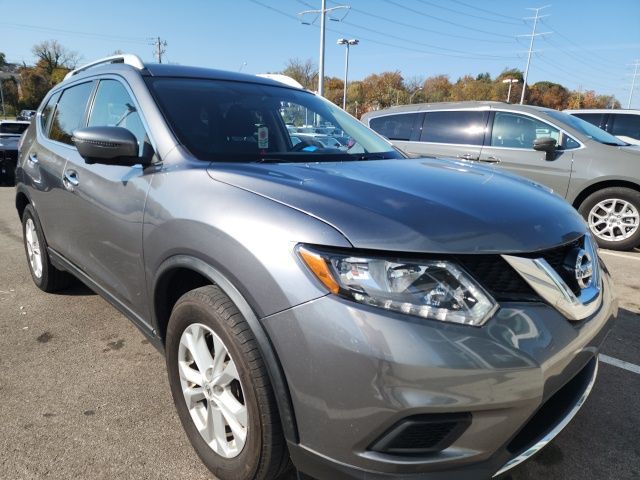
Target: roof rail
126	58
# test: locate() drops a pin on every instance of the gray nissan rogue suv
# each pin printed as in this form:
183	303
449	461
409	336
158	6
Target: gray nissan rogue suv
352	312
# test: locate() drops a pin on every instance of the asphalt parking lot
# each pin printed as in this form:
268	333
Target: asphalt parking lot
83	395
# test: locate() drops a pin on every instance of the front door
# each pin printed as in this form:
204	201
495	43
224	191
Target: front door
510	146
108	202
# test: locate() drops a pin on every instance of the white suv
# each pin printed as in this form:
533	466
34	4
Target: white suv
624	124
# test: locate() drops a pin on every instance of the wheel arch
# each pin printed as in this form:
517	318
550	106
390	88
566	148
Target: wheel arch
582	196
22	200
182	273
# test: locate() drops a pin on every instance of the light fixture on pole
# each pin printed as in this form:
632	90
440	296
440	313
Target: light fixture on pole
510	81
322	13
346	43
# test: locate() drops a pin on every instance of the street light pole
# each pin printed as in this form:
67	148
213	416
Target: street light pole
347	44
322	12
510	81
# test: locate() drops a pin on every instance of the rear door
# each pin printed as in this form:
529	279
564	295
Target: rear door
509	145
47	157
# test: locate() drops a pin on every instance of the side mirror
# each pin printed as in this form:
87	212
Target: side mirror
107	145
546	144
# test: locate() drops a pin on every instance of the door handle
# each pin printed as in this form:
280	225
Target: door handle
490	159
468	156
33	158
70	179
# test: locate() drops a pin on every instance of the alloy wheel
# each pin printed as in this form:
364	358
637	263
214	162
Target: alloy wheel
613	220
33	248
212	390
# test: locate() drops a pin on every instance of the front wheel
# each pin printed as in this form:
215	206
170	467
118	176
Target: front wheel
613	215
221	388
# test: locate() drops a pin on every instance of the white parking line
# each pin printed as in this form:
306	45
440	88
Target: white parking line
620	363
621	255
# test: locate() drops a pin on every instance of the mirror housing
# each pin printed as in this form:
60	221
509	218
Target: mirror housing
546	144
107	145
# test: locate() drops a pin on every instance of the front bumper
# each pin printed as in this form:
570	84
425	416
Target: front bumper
354	372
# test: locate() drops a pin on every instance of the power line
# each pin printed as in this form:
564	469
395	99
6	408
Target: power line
160	48
422	14
59	31
375	41
485	10
533	35
423	29
458	12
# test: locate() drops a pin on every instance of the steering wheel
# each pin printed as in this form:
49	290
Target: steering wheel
298	147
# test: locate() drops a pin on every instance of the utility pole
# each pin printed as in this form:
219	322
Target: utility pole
636	64
160	49
322	13
533	35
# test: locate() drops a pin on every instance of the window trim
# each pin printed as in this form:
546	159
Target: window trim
126	86
84	116
481	108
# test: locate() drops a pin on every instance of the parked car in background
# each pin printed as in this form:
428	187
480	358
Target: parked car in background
10	133
624	124
26	115
10	128
596	172
356	311
8	159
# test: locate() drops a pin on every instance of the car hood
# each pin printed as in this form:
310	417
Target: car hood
417	205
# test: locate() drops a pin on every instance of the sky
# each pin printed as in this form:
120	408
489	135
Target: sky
591	44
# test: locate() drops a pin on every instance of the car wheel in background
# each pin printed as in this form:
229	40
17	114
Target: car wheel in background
613	215
46	277
221	388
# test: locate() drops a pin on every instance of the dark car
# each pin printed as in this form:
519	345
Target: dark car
26	115
360	313
10	133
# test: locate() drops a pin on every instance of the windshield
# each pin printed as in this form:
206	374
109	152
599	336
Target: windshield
244	122
587	129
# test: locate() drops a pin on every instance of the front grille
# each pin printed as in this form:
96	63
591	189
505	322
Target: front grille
505	284
423	434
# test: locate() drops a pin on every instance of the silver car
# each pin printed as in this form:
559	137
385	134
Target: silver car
354	313
596	172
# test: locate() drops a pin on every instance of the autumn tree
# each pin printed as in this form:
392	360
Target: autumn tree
303	71
52	55
548	94
383	90
436	89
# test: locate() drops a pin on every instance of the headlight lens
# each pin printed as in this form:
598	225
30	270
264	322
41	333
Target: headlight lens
434	289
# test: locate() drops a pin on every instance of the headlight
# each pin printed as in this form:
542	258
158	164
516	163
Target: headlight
434	289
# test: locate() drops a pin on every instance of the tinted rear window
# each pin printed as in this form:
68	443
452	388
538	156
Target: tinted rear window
592	118
464	128
395	127
626	125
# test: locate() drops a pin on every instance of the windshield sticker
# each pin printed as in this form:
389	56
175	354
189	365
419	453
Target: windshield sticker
263	137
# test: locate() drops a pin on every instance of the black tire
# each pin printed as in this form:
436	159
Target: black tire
626	194
264	455
51	279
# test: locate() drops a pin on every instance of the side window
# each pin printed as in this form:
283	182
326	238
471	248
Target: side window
512	130
626	125
458	127
113	107
47	111
394	127
569	143
69	114
593	118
